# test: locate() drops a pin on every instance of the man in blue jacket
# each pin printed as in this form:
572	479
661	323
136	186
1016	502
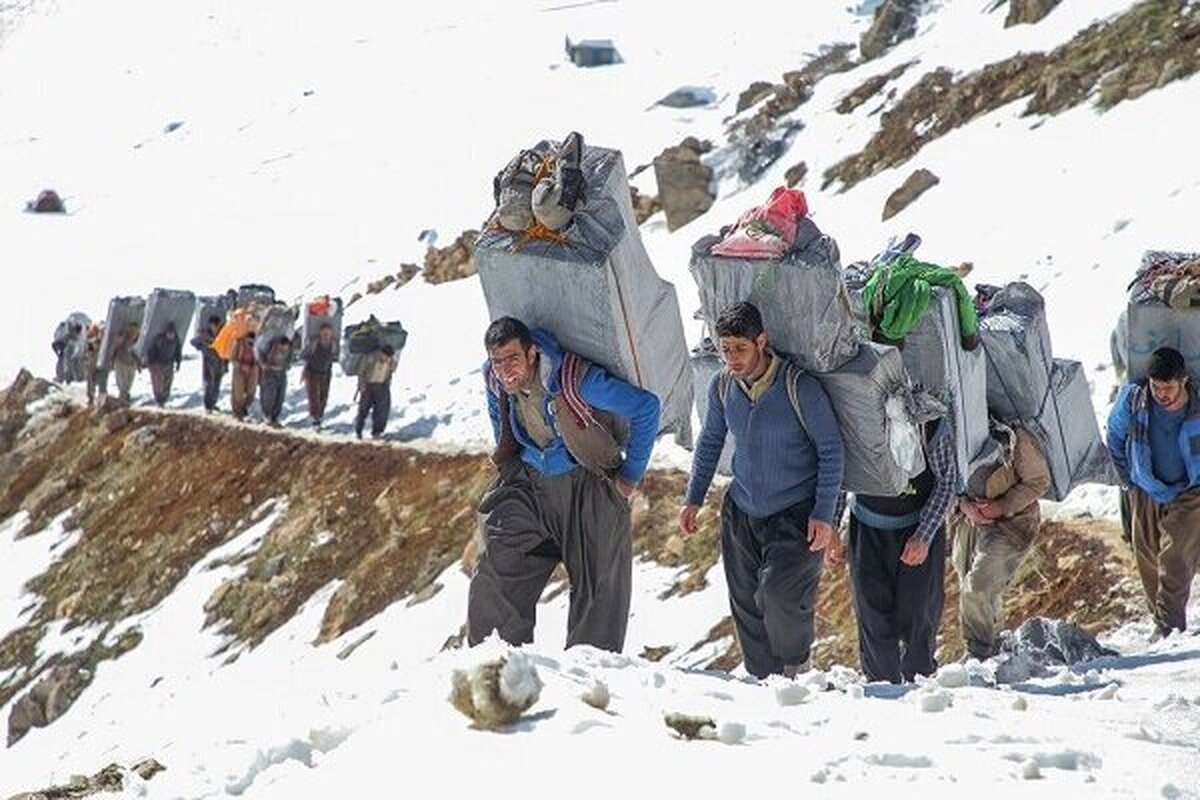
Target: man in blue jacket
1154	439
567	473
778	513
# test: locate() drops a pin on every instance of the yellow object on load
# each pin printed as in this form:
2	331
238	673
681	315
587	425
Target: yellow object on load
241	321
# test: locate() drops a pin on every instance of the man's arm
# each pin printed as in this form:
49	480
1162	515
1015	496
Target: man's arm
940	456
821	425
707	454
640	407
1118	434
1033	477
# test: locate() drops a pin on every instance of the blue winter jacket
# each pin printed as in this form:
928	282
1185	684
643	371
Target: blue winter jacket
1129	443
601	391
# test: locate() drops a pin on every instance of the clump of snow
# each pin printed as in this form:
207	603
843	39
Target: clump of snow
496	693
953	676
690	726
1030	770
791	694
933	700
1020	704
597	695
732	733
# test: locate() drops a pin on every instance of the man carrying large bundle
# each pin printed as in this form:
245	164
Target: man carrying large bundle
244	384
778	514
125	361
318	357
375	390
1000	518
563	491
1153	431
213	366
162	359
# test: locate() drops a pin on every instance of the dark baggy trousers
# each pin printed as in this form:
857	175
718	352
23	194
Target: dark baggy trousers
317	386
899	607
375	400
272	390
531	523
162	376
773	579
213	373
1166	546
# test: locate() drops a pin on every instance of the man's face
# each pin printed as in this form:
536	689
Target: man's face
513	365
326	335
743	356
1171	395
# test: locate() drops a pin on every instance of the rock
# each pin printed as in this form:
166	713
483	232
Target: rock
452	262
147	769
48	700
47	202
407	273
795	173
869	88
1030	770
753	94
495	694
895	21
916	185
689	726
644	207
1053	642
685	185
1020	704
377	286
689	97
597	696
1028	12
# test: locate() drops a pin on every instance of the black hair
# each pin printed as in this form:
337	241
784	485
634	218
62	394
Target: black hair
740	320
214	320
504	330
325	326
1167	364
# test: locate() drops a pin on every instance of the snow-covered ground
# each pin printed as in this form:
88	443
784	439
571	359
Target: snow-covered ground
318	141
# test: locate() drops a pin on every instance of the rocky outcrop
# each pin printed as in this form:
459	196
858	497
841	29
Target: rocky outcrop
1153	44
916	185
795	174
895	21
108	780
871	87
453	262
47	202
754	94
1028	12
644	207
685	183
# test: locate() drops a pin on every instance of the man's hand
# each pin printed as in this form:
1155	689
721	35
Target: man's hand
625	488
915	553
687	519
988	509
970	510
819	534
835	552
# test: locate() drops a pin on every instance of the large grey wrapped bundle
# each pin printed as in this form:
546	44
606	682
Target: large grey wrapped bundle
936	361
870	395
1070	434
211	306
1150	323
802	297
311	320
165	308
706	365
597	292
71	333
122	312
360	339
278	321
259	294
1016	341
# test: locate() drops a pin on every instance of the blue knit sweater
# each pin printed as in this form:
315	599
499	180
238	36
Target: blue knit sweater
777	463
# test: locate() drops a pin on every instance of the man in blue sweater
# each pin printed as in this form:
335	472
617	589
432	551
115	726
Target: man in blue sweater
1154	440
573	443
778	512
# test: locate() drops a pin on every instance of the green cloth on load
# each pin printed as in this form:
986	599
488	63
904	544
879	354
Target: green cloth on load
907	286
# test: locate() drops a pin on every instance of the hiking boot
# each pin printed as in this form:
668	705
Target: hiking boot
555	197
796	670
514	190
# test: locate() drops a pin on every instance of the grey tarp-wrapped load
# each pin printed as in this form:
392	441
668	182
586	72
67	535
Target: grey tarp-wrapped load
311	320
1150	323
1016	341
165	308
802	297
936	361
597	292
71	334
277	321
122	312
259	294
361	338
1068	429
212	306
871	396
706	365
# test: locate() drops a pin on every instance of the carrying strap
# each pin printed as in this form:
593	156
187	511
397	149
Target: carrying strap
791	376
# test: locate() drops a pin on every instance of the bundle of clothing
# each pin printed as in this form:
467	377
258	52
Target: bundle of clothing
767	231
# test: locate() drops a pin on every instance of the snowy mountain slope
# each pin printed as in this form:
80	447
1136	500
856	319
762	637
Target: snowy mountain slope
411	111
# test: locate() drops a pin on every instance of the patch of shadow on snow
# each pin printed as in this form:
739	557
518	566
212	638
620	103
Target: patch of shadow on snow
319	741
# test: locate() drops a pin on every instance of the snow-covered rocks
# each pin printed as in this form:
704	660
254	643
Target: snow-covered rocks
496	693
791	694
953	676
597	695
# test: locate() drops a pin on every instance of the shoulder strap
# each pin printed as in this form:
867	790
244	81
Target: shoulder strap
724	381
571	375
792	375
